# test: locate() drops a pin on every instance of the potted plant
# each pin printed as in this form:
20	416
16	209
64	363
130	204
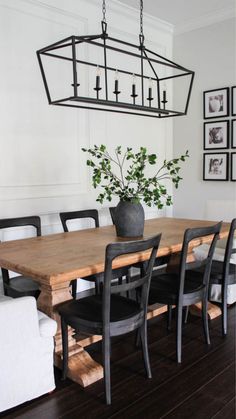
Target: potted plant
123	175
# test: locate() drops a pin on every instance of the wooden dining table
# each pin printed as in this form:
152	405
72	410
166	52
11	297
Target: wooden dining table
54	260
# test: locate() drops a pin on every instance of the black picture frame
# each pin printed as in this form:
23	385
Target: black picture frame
221	170
233	100
216	103
216	135
233	167
233	133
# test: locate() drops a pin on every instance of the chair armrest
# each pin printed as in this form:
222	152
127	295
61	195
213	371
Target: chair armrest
18	319
47	326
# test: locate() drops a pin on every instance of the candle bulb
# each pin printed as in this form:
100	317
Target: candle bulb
133	85
164	92
116	81
98	77
150	89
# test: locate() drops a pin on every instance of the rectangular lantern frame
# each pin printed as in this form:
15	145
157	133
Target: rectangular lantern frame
108	43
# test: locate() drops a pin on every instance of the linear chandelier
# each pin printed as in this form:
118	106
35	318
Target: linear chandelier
119	76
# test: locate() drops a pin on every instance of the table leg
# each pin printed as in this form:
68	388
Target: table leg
81	366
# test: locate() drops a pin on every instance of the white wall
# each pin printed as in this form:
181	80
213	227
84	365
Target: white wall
210	51
42	168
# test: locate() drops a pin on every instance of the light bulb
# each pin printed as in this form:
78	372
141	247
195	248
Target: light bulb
117	75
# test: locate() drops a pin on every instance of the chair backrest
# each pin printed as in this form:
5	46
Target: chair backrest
112	213
72	215
115	250
205	264
33	221
229	248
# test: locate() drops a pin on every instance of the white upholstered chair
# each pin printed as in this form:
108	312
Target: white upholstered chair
26	351
215	291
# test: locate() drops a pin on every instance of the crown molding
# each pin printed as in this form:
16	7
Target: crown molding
114	6
206	20
133	13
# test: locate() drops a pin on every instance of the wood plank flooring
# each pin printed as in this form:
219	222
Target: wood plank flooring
202	387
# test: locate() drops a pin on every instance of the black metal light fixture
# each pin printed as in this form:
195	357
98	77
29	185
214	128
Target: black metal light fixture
142	89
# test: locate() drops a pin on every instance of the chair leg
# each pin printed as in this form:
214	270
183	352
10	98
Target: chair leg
98	286
128	278
205	321
74	288
120	280
64	330
137	338
169	317
143	336
186	314
106	348
224	310
179	333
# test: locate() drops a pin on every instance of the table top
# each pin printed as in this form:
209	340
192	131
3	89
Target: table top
61	257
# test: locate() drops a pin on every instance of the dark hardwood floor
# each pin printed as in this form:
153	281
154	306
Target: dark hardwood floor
202	387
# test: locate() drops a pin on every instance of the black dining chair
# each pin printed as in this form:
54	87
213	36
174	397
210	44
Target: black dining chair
20	286
181	289
96	278
223	273
111	314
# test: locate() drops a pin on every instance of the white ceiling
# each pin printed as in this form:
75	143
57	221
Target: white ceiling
180	12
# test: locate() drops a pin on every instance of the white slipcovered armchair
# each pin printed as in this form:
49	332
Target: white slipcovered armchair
26	351
215	290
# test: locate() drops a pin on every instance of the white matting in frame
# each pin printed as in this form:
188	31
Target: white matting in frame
233	100
233	133
233	166
216	103
215	166
216	135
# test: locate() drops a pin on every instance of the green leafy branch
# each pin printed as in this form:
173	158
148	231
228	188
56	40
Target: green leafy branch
131	184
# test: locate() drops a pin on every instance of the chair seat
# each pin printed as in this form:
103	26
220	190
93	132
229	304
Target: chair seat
89	310
216	274
20	286
165	288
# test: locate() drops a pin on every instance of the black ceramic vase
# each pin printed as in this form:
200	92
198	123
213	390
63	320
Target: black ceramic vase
129	219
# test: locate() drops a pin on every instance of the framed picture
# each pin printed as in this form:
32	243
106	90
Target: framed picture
233	166
216	135
215	166
233	133
233	99
216	103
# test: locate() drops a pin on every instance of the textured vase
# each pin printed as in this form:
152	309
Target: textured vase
129	219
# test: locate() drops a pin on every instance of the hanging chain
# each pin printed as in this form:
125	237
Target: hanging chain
141	17
104	10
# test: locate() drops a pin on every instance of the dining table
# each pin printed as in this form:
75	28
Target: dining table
56	259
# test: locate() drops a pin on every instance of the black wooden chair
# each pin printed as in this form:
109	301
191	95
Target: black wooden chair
20	286
224	274
181	289
97	278
110	314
